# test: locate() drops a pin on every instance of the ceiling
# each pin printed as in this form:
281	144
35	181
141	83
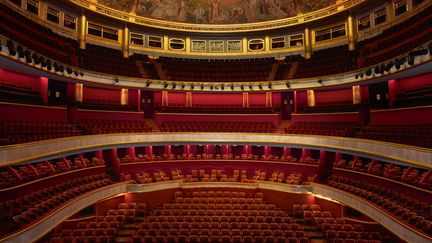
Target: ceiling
218	11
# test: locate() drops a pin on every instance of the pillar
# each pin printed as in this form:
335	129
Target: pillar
125	42
138	100
286	151
112	162
356	94
79	92
305	153
124	96
352	35
390	11
295	101
82	30
44	89
245	99
310	98
307	43
99	154
131	152
149	150
325	165
392	91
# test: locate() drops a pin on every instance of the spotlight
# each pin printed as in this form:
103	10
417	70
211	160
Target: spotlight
269	85
116	80
28	56
148	83
320	81
20	51
242	87
49	64
192	86
76	73
61	68
250	86
411	60
376	69
56	67
36	58
43	61
81	74
361	75
11	47
202	86
165	85
369	72
211	86
356	76
222	86
182	86
69	70
287	85
174	85
232	86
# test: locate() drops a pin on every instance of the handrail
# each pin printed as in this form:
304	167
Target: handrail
48	149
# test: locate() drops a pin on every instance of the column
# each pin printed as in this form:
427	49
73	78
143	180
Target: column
138	100
44	89
356	94
390	11
267	43
286	151
305	153
131	152
392	91
124	97
245	45
79	92
82	27
112	162
295	102
307	43
43	9
245	99
352	35
310	98
149	150
125	42
325	165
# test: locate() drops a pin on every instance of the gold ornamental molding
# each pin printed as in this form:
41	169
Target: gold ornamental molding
218	28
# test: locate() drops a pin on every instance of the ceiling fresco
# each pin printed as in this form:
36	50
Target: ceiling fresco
219	11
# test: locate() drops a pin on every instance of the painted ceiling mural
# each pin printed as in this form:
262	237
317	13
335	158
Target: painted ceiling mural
219	11
122	5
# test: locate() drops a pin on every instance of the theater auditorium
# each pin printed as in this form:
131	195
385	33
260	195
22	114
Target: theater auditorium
215	121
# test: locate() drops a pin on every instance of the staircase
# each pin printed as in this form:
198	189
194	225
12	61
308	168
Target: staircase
274	69
151	123
162	73
283	124
292	70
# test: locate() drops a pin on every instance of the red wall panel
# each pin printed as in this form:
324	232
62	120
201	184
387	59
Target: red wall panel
78	114
101	94
404	116
177	98
223	99
160	117
420	81
18	112
18	79
257	99
342	96
327	117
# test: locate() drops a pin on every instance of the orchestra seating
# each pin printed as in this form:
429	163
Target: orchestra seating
110	126
217	126
413	211
340	129
216	70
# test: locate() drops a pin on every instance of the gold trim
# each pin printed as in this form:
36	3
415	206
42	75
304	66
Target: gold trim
404	108
107	111
38	106
219	28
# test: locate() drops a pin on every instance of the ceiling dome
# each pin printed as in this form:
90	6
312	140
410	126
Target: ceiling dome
218	11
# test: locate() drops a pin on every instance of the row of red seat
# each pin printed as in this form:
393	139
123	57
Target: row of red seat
107	126
31	207
412	211
16	175
217	126
414	176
